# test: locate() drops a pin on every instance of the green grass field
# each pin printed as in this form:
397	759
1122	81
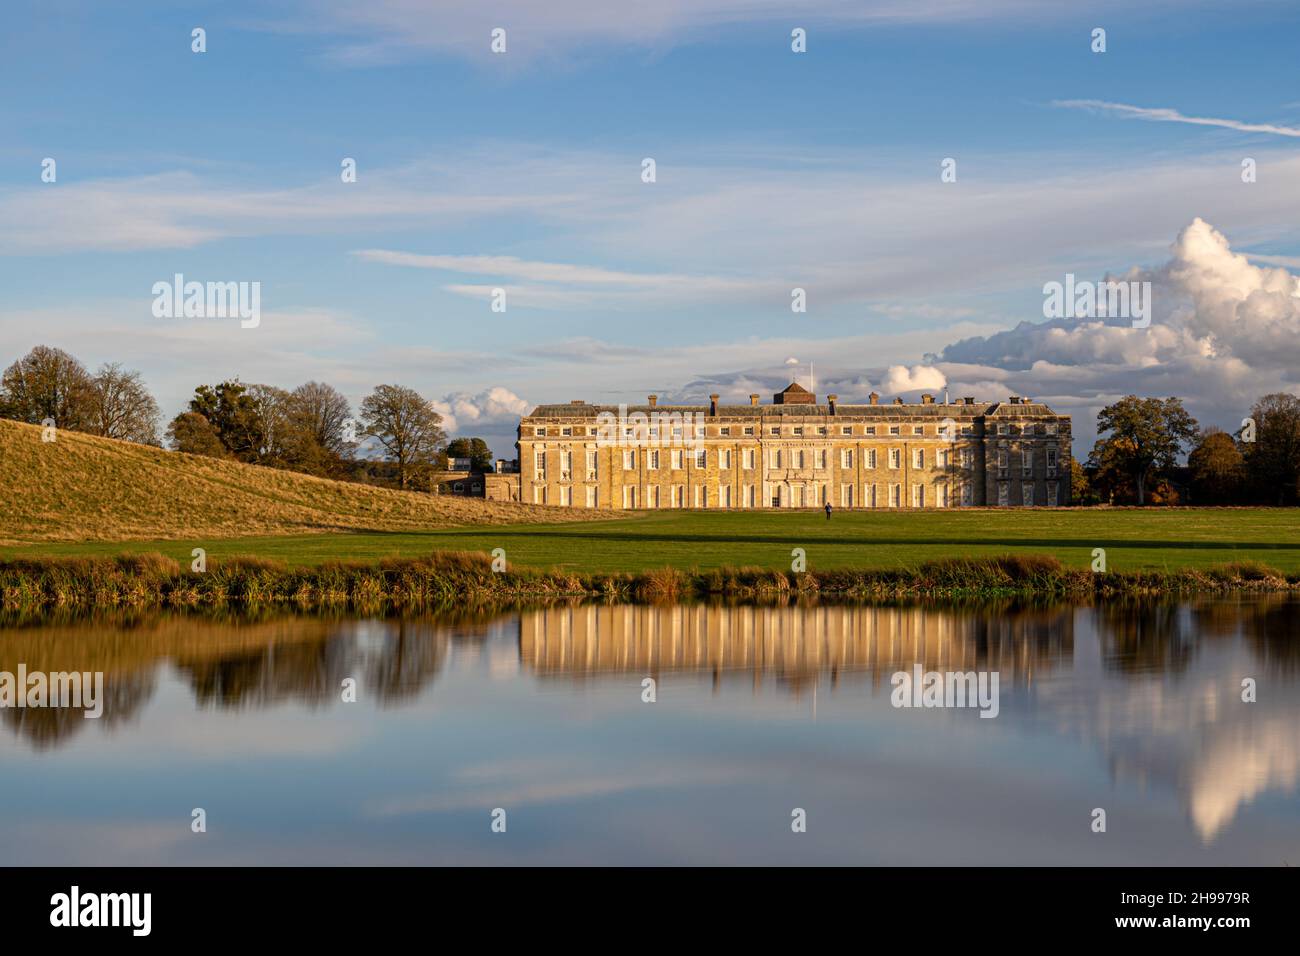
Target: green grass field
1133	539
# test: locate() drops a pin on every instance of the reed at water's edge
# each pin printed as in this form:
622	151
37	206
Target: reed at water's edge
448	578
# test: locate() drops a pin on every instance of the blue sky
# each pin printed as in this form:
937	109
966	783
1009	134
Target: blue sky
774	170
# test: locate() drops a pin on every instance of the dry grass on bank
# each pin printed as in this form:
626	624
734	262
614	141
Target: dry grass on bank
447	579
83	488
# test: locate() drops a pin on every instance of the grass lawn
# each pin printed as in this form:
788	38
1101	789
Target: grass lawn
1133	539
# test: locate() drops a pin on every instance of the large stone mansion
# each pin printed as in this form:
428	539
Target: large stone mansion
796	453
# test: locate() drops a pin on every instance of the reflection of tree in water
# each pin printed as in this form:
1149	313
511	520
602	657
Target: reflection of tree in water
233	663
1162	636
396	662
312	672
1140	636
46	727
1274	632
409	656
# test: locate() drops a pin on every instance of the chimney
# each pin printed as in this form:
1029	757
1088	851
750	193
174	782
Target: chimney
968	400
927	399
653	400
875	398
713	404
753	399
1015	399
831	400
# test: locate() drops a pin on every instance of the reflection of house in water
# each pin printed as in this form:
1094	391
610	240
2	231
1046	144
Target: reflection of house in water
793	644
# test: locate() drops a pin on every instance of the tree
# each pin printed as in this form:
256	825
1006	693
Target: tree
190	432
235	417
1111	480
1217	469
119	406
475	449
407	427
1146	436
318	440
1273	458
46	383
1081	490
272	429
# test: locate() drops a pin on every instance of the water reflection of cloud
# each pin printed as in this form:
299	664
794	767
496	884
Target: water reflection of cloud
1190	731
532	782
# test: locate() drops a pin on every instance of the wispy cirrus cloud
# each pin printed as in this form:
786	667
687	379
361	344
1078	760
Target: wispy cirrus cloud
557	285
382	31
1167	115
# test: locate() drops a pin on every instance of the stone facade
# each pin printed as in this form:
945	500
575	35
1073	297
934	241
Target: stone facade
796	453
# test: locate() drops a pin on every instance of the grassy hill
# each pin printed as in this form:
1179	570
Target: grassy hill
83	488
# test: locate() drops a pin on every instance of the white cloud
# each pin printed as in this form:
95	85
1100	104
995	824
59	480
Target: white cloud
1166	115
899	379
1224	332
497	406
706	236
384	30
558	285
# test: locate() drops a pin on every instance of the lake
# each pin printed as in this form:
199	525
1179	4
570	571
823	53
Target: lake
529	737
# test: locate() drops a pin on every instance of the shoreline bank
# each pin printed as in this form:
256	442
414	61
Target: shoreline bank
451	579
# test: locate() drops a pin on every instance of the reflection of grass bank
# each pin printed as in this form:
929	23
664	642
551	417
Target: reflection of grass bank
450	579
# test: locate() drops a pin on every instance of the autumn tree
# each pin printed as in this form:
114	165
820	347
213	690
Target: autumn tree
118	405
46	383
1081	490
1217	469
407	427
1111	479
1146	436
191	432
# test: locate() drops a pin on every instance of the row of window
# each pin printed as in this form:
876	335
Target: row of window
939	431
810	496
798	458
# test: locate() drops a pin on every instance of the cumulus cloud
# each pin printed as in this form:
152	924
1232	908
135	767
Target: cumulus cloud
901	379
495	406
1224	331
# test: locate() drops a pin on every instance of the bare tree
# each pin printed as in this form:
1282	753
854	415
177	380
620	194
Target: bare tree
407	426
119	406
46	383
318	440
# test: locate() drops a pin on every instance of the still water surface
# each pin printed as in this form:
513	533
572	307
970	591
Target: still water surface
1135	709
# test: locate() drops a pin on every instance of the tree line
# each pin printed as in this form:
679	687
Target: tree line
309	429
312	429
1136	459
